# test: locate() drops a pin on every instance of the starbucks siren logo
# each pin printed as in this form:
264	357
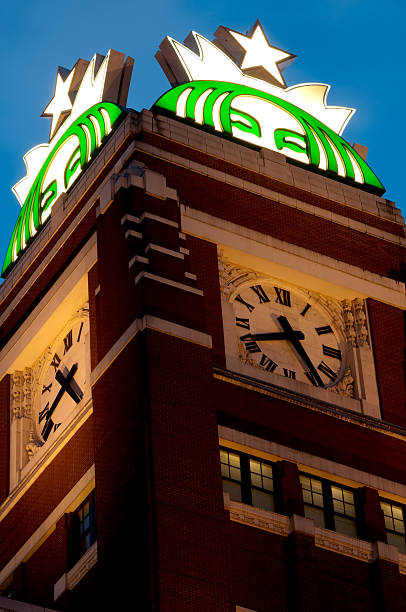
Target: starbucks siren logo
84	111
235	86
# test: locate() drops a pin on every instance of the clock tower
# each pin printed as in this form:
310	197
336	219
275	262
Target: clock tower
202	370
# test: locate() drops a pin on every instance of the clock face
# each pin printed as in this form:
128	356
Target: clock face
285	334
64	380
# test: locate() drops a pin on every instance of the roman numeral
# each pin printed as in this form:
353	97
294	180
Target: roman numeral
323	367
331	352
56	426
282	296
46	430
46	388
260	293
289	373
245	323
80	331
312	378
326	329
250	345
43	413
56	361
242	301
305	309
67	342
268	364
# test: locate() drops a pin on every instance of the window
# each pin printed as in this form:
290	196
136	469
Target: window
231	474
82	530
247	479
395	525
329	505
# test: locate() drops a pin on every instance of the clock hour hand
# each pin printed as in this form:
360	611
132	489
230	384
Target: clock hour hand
65	384
292	338
278	336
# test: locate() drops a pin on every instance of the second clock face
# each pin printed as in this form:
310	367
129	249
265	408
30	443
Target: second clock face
287	335
64	380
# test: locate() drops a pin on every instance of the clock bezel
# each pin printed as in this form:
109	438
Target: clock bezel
330	313
43	365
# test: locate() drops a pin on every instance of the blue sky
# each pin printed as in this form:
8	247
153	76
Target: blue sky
357	46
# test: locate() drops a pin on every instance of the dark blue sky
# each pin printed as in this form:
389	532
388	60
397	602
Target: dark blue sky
357	46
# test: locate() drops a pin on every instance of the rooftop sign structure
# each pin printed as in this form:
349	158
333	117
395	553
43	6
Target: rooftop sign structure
235	86
232	86
85	109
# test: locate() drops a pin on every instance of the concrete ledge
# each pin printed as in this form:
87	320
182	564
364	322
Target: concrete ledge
323	538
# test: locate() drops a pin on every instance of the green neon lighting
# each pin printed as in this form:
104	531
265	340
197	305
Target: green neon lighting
90	129
316	137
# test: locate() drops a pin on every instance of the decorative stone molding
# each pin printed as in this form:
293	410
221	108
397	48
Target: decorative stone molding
255	517
67	582
344	545
361	331
346	385
25	387
323	538
402	563
21	393
355	322
32	447
388	552
85	563
232	276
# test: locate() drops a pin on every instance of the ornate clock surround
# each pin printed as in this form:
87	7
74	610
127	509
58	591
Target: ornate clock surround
347	318
27	446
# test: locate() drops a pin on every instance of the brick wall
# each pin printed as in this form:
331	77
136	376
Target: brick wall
4	437
68	466
280	221
389	345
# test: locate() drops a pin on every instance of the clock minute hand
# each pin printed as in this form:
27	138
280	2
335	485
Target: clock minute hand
299	348
49	422
278	336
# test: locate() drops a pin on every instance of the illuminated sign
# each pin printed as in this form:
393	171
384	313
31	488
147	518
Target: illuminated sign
235	86
84	110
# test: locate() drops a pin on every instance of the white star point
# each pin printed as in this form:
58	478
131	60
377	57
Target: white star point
260	54
61	104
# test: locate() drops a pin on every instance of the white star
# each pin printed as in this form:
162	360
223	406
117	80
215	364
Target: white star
259	53
61	104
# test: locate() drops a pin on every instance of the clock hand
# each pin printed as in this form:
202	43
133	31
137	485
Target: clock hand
292	338
278	336
64	385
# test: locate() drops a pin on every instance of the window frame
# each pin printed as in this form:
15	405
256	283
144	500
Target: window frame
329	511
76	550
245	471
387	530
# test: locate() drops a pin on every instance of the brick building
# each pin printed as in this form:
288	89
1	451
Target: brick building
202	386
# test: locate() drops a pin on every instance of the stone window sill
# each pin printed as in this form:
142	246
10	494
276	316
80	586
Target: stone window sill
323	538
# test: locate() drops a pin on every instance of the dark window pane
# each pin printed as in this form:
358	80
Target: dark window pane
263	500
346	526
398	541
233	489
316	514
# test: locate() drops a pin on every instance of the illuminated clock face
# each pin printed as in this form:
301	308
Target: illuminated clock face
286	335
64	381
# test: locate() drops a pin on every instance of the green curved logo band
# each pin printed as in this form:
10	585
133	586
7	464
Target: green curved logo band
217	105
84	137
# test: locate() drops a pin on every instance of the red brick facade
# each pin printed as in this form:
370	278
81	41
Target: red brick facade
163	392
